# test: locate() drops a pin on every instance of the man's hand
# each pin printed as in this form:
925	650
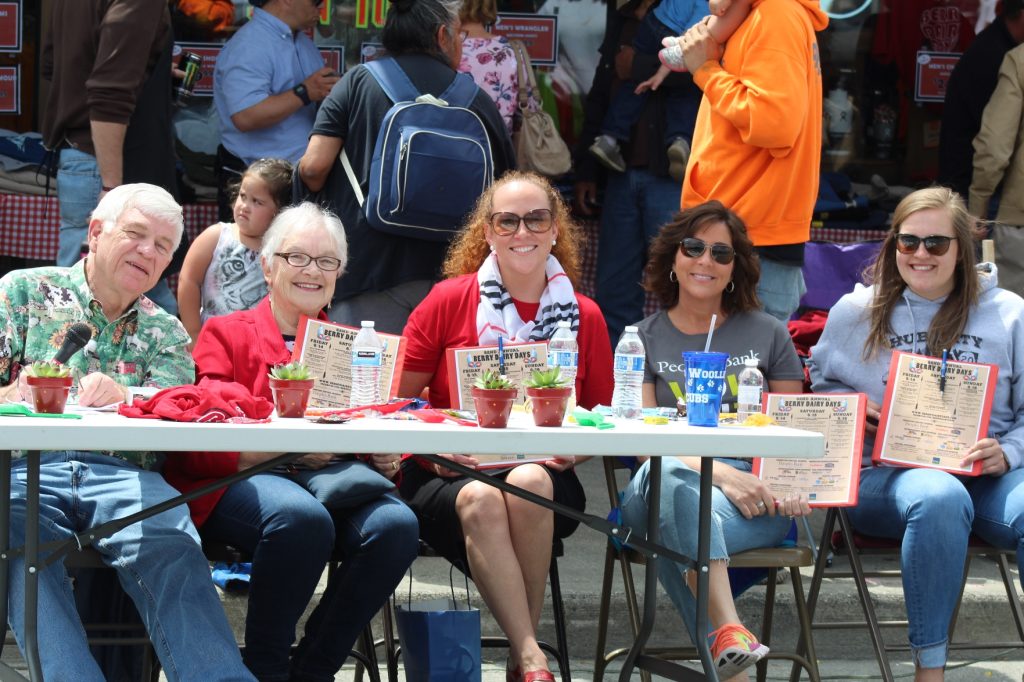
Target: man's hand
699	47
584	197
97	390
319	84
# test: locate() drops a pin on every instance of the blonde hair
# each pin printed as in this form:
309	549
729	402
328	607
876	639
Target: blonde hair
479	11
470	248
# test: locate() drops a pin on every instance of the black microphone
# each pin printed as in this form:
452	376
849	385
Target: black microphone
75	339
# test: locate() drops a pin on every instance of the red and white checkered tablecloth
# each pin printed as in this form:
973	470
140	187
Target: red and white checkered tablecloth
29	224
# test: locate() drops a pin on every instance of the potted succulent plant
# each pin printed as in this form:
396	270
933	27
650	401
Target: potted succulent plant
493	396
50	382
290	385
548	393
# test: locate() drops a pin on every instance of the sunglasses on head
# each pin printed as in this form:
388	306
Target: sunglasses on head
935	244
694	248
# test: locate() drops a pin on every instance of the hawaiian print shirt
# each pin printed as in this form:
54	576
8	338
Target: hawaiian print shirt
144	347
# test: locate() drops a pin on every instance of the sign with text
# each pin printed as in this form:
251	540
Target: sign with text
10	89
932	77
539	32
466	364
10	27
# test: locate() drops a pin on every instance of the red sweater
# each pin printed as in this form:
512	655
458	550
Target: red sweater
240	347
447	319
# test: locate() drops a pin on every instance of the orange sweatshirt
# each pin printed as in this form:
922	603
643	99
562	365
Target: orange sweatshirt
757	143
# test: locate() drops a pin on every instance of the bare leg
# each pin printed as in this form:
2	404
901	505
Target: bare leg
721	607
529	525
929	674
496	570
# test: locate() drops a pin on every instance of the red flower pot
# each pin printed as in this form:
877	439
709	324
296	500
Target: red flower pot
49	394
291	396
493	405
549	404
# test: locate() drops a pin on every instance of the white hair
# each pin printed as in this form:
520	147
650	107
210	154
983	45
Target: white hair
151	200
306	214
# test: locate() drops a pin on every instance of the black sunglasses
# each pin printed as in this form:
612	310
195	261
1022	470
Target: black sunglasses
537	221
694	248
935	244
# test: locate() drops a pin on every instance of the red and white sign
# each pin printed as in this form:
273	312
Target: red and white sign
539	32
208	52
10	89
10	27
933	72
334	57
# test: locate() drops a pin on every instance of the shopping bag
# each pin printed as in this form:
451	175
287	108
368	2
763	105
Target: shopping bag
440	641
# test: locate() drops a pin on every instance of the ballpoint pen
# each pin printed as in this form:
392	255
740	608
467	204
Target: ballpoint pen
501	355
942	372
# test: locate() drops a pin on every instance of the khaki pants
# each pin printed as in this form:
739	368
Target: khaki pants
1009	242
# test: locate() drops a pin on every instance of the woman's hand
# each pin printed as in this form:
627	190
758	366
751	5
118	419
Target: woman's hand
872	415
386	465
793	505
747	492
315	460
561	463
464	460
990	453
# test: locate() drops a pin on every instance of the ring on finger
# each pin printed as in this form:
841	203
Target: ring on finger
761	506
394	465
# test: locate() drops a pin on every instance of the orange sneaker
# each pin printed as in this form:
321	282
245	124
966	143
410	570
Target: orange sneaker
735	649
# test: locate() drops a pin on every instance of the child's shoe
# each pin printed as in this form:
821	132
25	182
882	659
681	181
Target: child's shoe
606	149
678	154
672	56
735	649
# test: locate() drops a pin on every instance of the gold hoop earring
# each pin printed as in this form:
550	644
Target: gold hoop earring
730	287
672	276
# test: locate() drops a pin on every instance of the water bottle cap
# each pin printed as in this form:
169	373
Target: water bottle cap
750	362
564	324
630	329
367	323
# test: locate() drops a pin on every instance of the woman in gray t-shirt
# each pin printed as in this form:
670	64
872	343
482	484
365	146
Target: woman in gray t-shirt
703	264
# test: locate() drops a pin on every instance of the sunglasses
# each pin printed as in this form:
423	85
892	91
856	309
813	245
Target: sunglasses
537	221
695	248
935	244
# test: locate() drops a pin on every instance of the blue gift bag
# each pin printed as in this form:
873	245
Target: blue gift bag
440	641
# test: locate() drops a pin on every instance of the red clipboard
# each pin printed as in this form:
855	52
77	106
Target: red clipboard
929	368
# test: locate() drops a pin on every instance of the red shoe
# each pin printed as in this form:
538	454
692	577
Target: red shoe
513	674
735	649
538	676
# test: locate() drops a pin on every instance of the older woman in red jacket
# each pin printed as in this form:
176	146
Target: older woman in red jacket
289	533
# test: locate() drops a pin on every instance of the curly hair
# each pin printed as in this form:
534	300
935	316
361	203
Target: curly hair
470	248
949	322
746	269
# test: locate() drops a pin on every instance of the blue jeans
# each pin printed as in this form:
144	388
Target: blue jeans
636	204
681	103
780	288
934	512
291	537
78	186
158	561
680	506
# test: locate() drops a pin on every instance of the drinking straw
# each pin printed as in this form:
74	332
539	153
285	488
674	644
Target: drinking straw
711	332
501	356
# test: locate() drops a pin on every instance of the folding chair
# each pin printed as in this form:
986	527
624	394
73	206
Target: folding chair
854	545
772	559
559	651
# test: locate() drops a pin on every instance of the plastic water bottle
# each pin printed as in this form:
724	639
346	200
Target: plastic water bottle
627	401
751	386
366	361
564	353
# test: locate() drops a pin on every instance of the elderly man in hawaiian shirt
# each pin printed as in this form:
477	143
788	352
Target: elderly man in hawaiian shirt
132	234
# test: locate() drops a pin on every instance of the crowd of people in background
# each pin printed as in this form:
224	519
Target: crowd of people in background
705	180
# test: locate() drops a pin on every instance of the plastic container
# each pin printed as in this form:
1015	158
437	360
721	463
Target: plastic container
750	390
367	350
564	353
627	400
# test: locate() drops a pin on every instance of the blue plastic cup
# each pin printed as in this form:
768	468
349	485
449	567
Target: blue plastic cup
705	385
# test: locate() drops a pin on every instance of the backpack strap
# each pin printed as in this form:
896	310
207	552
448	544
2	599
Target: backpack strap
392	79
461	92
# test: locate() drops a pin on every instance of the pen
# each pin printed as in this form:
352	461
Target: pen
942	372
501	355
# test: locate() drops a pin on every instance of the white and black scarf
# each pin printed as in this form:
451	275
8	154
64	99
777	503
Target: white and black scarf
496	316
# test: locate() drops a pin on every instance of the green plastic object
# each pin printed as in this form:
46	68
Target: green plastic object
585	417
19	410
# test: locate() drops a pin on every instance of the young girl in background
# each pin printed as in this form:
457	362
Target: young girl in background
221	272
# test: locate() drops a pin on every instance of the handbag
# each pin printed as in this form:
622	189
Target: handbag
539	147
343	485
440	639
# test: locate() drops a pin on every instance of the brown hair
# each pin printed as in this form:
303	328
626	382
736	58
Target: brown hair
479	11
948	324
470	248
276	173
746	269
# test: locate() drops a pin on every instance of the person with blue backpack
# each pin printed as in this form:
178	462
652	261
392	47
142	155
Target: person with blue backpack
401	149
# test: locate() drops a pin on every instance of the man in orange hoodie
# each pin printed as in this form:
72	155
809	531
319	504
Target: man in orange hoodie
757	143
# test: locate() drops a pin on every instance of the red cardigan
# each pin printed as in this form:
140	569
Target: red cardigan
241	347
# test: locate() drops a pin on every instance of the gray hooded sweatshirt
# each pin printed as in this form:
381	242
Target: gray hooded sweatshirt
994	334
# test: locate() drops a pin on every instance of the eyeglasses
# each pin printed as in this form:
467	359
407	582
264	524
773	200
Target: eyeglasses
935	244
537	221
694	248
301	260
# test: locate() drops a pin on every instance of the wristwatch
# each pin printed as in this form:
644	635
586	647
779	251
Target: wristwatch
300	92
